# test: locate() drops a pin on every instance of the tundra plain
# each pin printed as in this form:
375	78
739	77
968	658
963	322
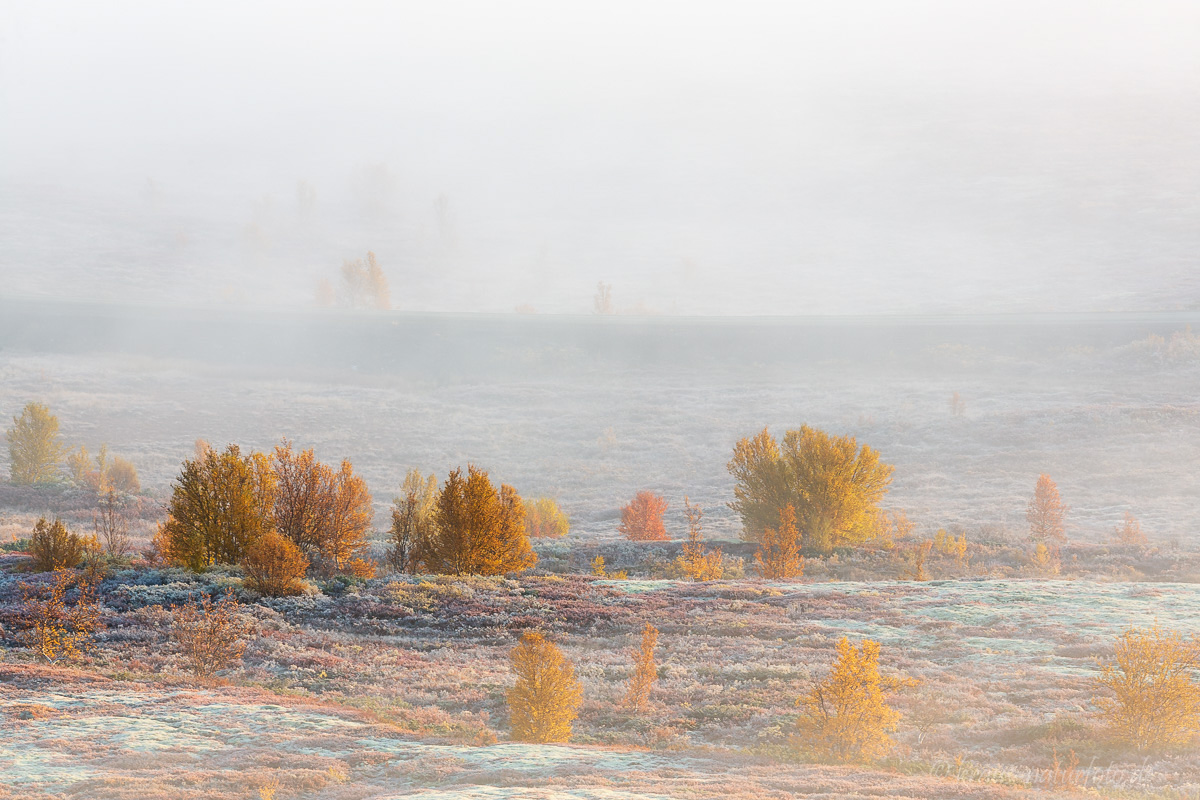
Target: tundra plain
394	686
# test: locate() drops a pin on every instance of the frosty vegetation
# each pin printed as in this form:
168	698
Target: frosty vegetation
834	632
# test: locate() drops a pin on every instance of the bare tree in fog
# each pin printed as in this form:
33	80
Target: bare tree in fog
602	302
306	199
374	187
445	221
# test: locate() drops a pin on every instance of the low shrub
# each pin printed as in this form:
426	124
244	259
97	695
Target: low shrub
55	629
209	634
274	566
54	547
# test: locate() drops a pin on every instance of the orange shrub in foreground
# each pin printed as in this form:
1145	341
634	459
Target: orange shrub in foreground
846	716
546	698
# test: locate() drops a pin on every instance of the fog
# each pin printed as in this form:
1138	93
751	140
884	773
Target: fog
778	159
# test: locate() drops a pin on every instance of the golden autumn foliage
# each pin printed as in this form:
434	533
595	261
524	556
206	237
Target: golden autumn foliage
763	485
947	544
224	502
54	547
363	568
220	504
268	790
34	446
915	558
1045	512
115	474
209	634
326	513
892	526
79	465
413	522
1154	695
833	485
121	475
846	717
1045	559
645	671
778	557
544	519
697	562
478	530
302	496
348	524
642	518
546	697
274	565
599	570
56	630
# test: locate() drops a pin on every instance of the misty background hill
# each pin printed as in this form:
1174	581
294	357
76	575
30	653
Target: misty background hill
829	158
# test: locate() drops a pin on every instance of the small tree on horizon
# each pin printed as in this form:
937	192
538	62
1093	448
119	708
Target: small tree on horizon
35	448
642	518
1045	513
602	301
544	519
546	697
115	474
365	285
1130	532
915	559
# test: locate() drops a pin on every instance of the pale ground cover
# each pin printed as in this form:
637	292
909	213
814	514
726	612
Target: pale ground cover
112	741
397	686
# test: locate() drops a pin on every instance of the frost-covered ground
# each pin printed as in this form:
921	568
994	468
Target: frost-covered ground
397	685
111	740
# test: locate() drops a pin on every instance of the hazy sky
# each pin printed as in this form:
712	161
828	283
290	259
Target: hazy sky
701	157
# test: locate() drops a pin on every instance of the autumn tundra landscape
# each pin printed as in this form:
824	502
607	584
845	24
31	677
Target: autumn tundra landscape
656	400
935	562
